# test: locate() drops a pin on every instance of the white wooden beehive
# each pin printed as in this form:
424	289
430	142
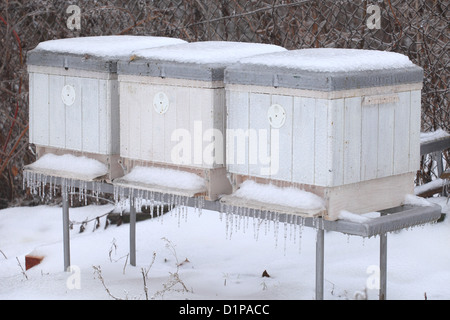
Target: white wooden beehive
74	95
172	109
343	124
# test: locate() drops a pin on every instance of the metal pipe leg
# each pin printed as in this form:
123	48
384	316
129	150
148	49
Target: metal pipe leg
320	248
66	230
132	232
383	266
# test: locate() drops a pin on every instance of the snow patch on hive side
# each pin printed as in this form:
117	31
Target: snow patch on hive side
69	166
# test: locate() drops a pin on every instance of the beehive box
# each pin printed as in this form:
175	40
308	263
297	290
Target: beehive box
172	110
343	124
74	95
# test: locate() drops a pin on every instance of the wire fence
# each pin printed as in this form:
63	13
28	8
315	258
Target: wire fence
416	28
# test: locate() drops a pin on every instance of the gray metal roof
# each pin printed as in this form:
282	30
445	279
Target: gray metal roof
321	81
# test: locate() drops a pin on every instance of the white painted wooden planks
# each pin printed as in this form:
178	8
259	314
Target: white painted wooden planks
330	142
304	146
39	109
414	130
90	124
237	126
193	114
352	140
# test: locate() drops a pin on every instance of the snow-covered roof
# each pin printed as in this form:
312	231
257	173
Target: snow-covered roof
331	60
325	69
105	46
207	52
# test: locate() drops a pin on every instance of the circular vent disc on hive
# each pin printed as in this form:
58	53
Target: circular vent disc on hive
161	103
68	95
276	116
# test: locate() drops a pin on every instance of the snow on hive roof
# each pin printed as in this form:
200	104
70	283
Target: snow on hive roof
207	52
332	60
106	46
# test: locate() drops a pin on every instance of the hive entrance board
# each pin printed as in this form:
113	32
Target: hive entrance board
67	166
272	198
163	180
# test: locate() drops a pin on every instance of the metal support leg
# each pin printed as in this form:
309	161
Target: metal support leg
66	234
320	248
132	232
383	265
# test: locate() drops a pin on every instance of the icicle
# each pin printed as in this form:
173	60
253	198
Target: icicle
237	218
179	214
44	186
85	193
300	233
266	223
276	227
285	236
232	221
23	180
227	213
152	207
258	224
185	206
221	207
115	194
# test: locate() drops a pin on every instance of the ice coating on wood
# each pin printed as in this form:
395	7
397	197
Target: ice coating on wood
433	135
106	46
332	60
207	52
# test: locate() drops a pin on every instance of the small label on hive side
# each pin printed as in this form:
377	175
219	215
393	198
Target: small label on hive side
382	99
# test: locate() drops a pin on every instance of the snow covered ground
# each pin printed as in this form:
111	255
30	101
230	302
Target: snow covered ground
212	264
